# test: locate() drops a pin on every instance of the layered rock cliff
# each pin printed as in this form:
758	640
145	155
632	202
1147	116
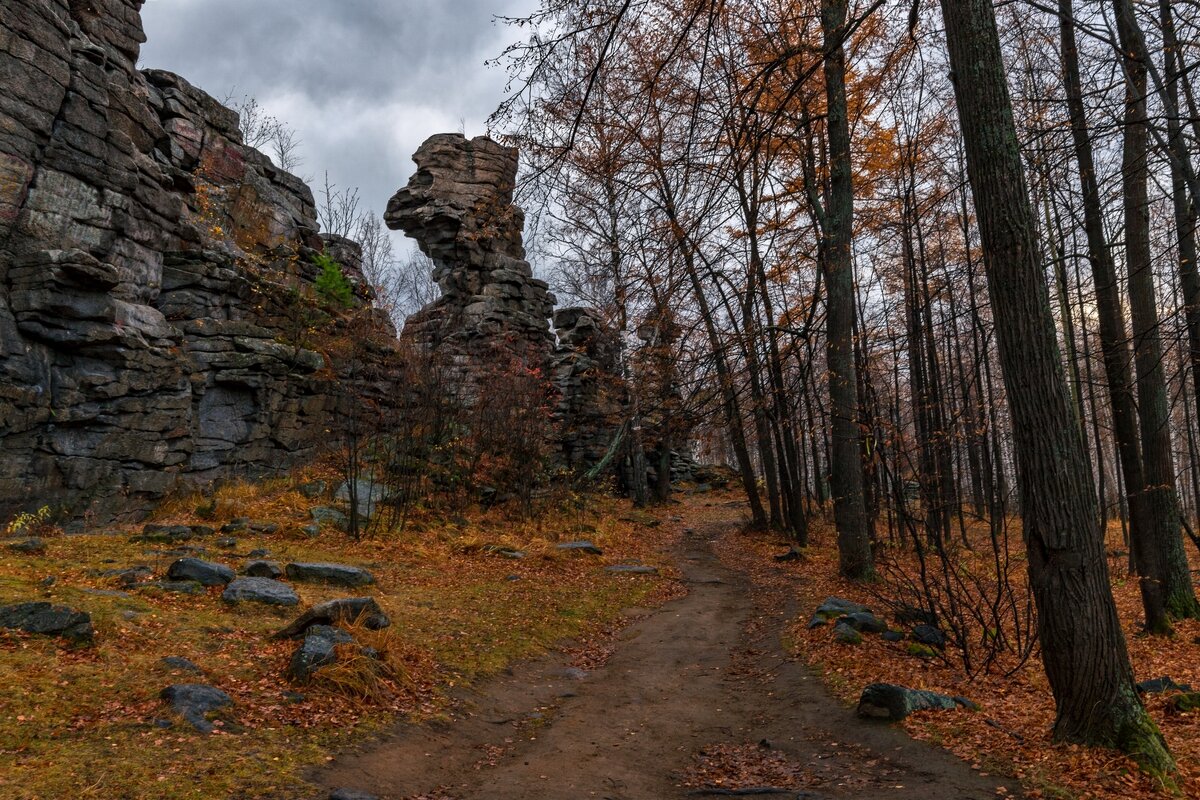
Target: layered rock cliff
150	267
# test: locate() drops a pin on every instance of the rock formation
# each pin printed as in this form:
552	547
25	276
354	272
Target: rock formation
585	372
459	208
146	260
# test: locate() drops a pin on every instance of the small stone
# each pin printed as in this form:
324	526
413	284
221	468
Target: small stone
921	650
176	662
238	525
206	573
893	636
631	569
1188	701
195	702
265	528
929	635
835	607
581	547
333	574
31	546
130	576
864	621
846	634
311	530
263	569
226	543
260	590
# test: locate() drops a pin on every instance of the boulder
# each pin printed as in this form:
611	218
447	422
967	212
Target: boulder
928	636
368	495
30	547
349	610
864	621
846	634
332	574
891	702
263	569
195	702
260	590
835	607
319	649
49	620
323	515
205	573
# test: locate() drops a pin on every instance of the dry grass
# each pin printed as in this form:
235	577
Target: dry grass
81	723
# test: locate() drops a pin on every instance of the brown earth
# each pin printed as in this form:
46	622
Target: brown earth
697	699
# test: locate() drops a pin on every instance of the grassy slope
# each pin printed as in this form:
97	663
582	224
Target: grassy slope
80	723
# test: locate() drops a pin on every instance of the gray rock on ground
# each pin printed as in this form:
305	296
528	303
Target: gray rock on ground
177	662
263	569
205	573
349	610
319	649
260	590
46	619
195	702
632	569
332	574
891	702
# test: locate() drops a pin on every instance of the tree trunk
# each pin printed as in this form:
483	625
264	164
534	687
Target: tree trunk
850	515
1112	323
1083	647
1161	548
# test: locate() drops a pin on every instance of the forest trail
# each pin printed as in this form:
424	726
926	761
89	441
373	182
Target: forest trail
703	674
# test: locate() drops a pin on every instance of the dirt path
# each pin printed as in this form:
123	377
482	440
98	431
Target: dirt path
702	672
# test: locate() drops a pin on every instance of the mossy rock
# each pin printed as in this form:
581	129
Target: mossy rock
921	650
1188	701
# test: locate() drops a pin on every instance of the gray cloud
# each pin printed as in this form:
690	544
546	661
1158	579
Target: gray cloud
364	82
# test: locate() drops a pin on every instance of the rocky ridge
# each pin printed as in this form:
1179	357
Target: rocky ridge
149	262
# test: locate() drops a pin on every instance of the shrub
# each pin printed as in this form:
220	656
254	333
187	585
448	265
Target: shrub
332	286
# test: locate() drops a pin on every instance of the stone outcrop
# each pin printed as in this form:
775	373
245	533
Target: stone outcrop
590	391
149	267
459	208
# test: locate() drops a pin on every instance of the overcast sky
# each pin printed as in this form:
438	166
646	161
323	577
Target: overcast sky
364	82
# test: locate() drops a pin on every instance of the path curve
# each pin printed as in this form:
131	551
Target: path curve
700	671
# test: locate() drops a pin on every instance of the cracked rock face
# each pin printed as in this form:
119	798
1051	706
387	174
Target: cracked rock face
459	207
136	351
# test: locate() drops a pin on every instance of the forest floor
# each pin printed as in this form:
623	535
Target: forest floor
697	698
548	676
